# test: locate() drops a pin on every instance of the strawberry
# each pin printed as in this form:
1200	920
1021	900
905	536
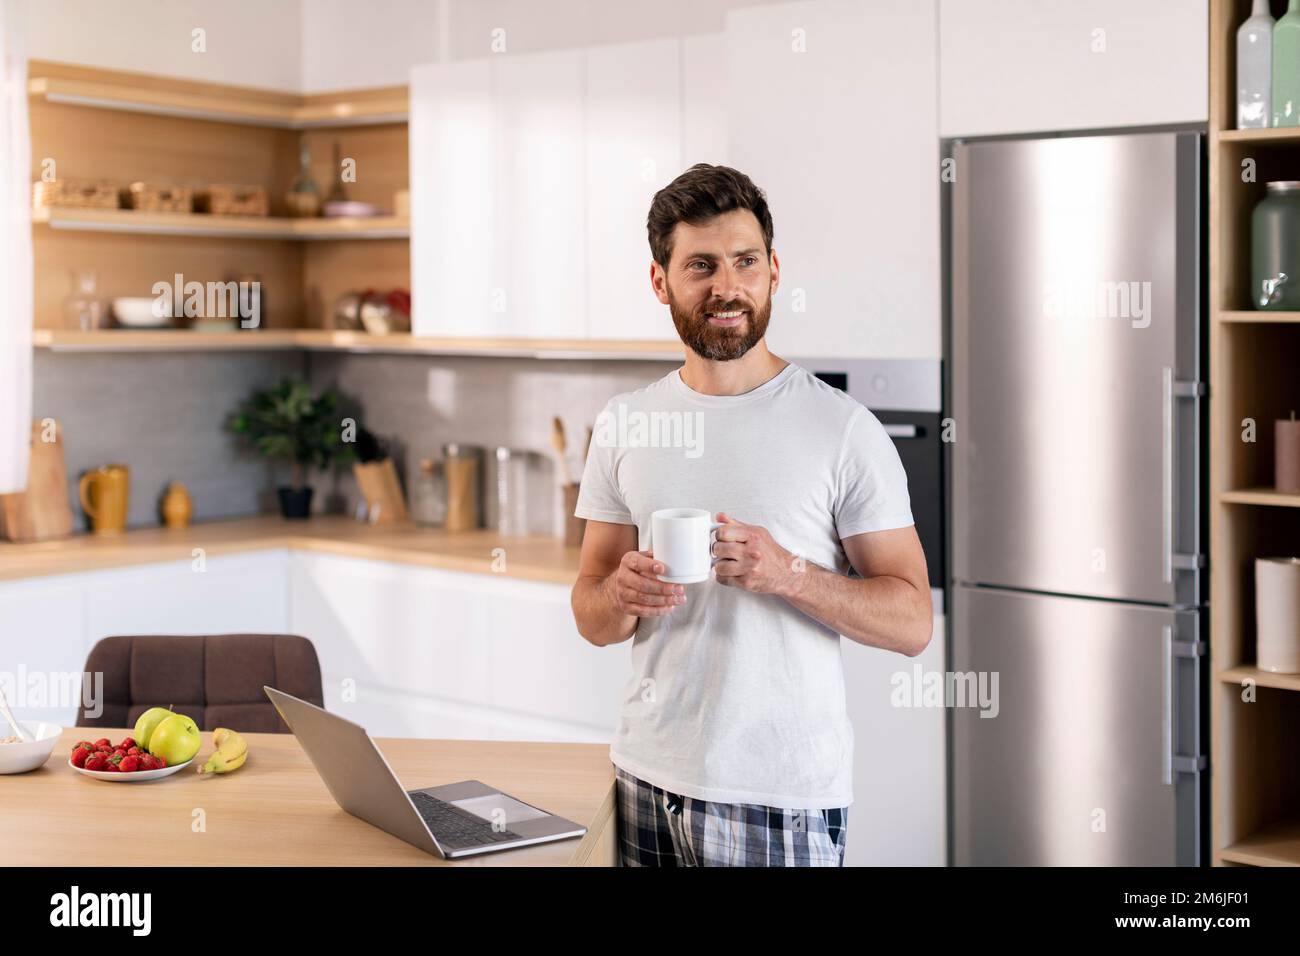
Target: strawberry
112	768
79	756
129	742
96	762
149	762
82	743
103	742
129	764
133	751
162	761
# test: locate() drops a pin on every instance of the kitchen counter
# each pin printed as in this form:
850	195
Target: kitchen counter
534	558
276	811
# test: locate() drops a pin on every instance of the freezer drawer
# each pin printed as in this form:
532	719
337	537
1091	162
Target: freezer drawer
1090	755
1076	368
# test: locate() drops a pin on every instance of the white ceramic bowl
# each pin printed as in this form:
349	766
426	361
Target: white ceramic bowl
136	776
19	758
137	312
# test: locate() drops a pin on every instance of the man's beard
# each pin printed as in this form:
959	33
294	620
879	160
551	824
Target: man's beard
716	342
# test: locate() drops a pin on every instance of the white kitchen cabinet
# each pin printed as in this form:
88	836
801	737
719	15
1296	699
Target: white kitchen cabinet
455	264
832	111
704	101
43	647
899	811
222	594
633	149
496	197
421	652
1025	66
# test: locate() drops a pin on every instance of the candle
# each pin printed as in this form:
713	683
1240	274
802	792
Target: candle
1277	615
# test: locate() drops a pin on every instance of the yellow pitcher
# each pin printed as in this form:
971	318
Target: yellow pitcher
104	495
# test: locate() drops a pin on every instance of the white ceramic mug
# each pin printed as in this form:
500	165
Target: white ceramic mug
682	541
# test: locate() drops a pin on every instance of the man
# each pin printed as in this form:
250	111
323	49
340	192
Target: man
734	746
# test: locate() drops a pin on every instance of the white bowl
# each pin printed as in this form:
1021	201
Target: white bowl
136	776
19	758
140	312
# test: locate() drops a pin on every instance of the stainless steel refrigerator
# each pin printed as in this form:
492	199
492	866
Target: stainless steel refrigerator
1077	523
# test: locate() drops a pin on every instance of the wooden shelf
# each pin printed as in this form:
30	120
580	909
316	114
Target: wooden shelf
222	227
1262	317
1281	134
1244	672
229	104
1276	845
325	340
1260	496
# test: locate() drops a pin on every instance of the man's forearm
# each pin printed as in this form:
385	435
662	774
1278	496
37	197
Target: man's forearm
885	611
597	614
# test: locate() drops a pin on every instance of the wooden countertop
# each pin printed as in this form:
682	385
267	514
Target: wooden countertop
276	811
535	558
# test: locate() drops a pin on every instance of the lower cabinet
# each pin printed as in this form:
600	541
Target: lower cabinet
899	811
421	652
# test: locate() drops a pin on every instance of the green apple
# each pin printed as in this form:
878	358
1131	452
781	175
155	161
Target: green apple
176	740
148	723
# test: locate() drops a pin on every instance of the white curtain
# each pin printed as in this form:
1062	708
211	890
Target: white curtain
15	251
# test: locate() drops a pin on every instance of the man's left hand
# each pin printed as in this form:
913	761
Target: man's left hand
749	558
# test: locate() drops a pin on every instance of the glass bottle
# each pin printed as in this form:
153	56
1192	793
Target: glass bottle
1286	67
429	495
1254	68
83	307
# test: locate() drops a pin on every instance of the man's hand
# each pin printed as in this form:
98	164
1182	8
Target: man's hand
749	558
638	592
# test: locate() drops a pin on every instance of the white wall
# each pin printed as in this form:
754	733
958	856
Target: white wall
249	42
1022	66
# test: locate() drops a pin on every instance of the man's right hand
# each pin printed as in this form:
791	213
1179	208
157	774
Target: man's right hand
638	592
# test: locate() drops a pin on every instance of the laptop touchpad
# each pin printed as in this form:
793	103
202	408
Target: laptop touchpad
491	806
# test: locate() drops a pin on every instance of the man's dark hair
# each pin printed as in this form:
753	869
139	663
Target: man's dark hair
698	195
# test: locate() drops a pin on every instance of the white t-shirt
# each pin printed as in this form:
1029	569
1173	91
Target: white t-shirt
738	697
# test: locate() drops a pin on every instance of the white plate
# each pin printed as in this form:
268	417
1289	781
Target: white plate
139	776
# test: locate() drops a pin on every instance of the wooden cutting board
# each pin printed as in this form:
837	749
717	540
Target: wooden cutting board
42	511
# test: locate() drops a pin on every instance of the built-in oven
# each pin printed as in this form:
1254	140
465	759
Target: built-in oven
906	395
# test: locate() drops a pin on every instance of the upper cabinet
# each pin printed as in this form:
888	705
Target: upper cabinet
633	149
531	178
832	110
496	189
1023	66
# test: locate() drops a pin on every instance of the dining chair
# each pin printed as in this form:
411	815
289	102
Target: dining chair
215	679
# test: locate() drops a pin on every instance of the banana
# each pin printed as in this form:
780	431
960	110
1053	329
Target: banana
231	752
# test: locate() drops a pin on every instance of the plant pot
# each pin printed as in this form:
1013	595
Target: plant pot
295	503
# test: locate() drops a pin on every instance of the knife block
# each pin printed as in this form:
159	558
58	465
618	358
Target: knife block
377	482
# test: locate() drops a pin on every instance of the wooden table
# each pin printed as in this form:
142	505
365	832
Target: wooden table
275	810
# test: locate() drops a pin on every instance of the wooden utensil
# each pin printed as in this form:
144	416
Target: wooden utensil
560	445
42	511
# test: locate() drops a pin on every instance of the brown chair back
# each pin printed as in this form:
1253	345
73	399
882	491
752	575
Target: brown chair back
215	679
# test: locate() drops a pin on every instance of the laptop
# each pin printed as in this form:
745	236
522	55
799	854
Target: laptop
452	821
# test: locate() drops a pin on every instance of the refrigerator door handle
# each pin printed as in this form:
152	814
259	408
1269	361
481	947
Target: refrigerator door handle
1170	391
1171	650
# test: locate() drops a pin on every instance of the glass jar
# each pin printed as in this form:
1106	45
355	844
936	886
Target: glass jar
1275	248
429	495
83	308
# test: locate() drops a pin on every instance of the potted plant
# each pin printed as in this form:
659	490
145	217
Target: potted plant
287	423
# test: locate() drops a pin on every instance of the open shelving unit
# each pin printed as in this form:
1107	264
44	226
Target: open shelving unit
122	127
1254	374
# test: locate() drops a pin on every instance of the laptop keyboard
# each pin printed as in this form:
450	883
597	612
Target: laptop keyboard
457	827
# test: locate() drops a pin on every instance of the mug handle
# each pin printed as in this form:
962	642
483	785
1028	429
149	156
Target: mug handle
83	492
713	527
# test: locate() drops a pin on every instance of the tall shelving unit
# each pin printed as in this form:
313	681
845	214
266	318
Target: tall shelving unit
1254	376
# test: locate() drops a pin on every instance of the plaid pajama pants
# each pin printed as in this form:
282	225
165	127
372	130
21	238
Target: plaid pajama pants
658	828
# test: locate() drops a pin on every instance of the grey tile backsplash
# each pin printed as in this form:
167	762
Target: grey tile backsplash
163	414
